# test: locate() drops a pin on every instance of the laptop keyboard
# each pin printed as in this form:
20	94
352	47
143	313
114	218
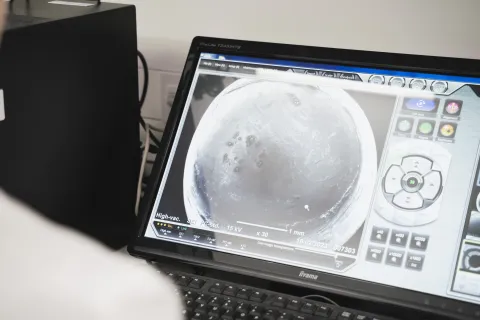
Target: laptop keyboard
211	299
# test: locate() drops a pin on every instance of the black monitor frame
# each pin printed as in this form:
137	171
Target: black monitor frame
154	249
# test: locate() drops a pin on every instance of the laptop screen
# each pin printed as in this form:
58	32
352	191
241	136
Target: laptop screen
365	173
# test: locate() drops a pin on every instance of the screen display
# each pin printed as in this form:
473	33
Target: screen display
366	173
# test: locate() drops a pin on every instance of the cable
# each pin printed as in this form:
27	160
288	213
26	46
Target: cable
154	128
153	149
149	132
142	168
143	61
321	297
143	96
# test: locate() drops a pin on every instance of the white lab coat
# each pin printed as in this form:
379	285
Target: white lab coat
50	272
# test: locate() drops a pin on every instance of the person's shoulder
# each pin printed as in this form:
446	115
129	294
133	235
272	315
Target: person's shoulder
61	274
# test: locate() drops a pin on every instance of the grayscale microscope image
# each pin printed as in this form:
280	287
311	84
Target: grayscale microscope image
287	156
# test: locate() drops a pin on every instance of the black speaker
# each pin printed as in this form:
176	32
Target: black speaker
69	137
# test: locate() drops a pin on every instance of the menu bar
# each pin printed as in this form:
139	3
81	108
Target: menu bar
249	68
343	68
437	87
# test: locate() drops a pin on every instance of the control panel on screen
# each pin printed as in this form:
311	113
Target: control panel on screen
367	173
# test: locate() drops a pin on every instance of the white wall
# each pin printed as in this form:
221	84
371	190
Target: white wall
431	27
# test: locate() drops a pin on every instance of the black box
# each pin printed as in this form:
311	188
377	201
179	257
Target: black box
69	143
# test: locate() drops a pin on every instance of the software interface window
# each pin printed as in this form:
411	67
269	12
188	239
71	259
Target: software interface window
360	172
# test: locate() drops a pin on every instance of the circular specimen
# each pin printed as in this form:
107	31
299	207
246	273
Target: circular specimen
282	155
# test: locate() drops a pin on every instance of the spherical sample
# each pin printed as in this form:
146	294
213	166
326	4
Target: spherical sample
277	154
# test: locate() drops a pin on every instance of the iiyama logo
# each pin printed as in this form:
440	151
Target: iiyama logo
221	45
308	275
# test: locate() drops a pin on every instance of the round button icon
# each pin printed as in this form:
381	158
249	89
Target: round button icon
425	128
412	182
404	125
439	86
471	259
452	107
478	202
397	82
418	84
377	79
447	130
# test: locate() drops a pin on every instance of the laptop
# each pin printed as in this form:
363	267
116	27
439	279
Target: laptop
315	183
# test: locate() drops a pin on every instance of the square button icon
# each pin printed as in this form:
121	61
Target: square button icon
394	258
419	242
399	238
375	254
379	234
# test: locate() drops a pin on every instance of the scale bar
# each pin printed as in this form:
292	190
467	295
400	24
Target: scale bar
260	226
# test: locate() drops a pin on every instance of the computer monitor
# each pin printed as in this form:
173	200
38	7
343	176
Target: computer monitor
353	172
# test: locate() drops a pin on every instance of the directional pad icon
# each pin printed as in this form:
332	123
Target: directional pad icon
413	179
413	184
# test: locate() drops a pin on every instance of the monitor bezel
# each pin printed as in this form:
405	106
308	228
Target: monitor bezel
154	249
